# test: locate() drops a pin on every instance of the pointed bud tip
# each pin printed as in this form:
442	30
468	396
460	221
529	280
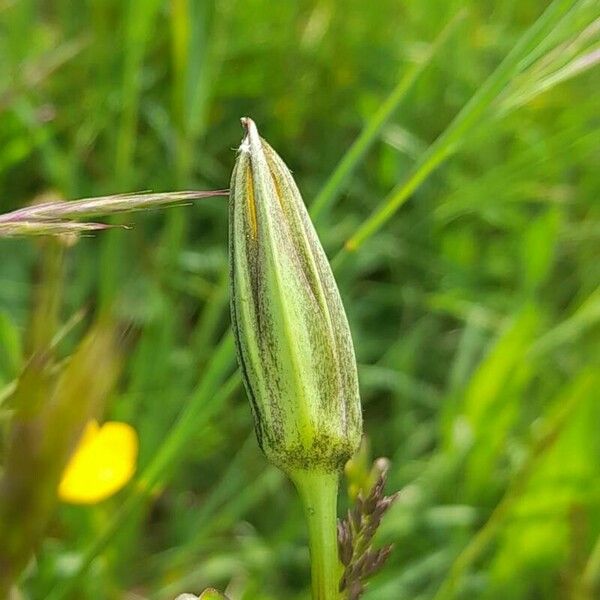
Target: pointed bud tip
249	126
251	136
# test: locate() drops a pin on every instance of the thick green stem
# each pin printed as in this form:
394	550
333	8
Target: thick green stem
318	492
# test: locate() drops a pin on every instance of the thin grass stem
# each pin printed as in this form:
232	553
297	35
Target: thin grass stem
480	541
157	471
447	143
350	160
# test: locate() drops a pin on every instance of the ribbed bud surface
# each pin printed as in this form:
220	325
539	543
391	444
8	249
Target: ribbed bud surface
293	341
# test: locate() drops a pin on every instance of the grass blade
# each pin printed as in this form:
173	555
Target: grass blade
336	181
157	471
447	143
558	419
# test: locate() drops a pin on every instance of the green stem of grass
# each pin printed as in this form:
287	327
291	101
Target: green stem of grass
557	421
162	465
453	136
318	492
49	294
335	183
590	580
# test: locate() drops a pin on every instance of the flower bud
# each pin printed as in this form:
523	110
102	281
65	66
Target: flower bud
292	337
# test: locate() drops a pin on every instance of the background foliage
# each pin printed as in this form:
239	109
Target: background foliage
475	307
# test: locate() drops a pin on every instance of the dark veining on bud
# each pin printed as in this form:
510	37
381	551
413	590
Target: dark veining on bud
292	336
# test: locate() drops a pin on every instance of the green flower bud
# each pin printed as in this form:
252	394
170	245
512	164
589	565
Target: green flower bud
293	341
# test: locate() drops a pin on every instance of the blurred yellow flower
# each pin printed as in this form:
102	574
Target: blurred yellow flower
103	462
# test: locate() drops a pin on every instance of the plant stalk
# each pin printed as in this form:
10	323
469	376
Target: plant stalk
318	492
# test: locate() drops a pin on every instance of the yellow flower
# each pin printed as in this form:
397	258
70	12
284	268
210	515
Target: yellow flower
103	462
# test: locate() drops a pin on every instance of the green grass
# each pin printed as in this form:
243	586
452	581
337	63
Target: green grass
449	156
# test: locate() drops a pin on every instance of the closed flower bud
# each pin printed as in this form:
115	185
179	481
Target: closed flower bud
292	336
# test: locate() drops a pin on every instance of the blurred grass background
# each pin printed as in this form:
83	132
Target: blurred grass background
475	307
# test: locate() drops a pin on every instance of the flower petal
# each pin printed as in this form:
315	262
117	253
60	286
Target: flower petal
103	463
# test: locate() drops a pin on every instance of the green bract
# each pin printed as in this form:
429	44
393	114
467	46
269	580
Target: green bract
292	336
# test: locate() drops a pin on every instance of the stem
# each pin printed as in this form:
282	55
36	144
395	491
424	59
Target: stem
555	425
318	492
372	129
46	314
